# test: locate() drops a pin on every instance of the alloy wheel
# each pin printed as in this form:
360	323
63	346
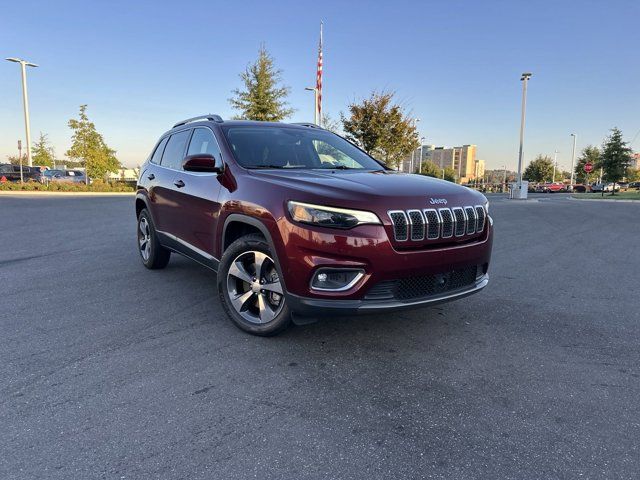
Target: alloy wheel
254	287
144	238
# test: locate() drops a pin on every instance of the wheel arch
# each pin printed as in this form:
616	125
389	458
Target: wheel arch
237	225
141	203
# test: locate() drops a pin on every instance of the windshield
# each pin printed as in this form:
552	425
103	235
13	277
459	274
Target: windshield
283	147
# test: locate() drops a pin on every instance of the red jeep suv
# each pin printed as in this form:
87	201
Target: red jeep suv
300	223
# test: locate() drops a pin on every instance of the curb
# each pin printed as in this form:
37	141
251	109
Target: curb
36	193
610	200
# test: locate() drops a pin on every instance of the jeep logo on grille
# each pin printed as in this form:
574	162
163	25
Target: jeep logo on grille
438	201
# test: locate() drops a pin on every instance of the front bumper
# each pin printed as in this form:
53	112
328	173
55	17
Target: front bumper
316	307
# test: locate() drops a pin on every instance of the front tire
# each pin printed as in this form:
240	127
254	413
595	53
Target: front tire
251	289
153	255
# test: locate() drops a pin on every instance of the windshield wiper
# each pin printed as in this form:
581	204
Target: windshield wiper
268	166
338	167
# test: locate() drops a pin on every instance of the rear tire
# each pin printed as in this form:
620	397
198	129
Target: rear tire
251	289
153	255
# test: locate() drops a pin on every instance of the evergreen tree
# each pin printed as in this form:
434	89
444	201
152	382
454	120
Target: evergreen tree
89	147
615	158
42	152
591	155
381	128
262	98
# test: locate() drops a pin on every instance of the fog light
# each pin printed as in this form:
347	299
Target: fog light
335	280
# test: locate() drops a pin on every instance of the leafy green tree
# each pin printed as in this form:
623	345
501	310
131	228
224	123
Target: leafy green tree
539	170
262	98
430	169
450	174
42	152
615	157
381	128
328	123
89	147
591	155
15	159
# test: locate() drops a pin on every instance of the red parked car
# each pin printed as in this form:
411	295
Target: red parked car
553	187
300	223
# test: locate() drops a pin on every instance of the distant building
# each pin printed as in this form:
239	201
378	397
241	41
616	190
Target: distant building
462	160
412	162
125	175
635	161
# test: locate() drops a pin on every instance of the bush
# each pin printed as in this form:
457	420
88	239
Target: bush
96	186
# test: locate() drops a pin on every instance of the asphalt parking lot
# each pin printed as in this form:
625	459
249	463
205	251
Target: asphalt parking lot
108	370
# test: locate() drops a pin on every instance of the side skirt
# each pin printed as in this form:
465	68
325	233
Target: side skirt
178	245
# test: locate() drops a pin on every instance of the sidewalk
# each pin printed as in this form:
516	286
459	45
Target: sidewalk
36	193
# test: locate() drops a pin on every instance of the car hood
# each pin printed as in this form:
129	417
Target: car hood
386	190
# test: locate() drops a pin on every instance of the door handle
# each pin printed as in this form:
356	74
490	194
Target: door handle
179	183
151	176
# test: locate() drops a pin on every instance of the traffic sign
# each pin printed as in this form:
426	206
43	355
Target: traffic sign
588	167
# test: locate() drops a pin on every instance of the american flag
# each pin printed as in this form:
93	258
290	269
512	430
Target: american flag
319	78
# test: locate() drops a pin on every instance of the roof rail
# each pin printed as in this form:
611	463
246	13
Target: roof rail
210	116
307	124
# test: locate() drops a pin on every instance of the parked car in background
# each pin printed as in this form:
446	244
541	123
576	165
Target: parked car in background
553	187
67	176
12	173
635	185
607	187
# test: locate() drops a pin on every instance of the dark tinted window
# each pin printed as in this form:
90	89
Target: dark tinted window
157	155
203	141
174	151
286	147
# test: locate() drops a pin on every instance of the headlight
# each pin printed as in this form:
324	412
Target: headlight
330	216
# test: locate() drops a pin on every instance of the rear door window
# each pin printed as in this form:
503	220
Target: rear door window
174	151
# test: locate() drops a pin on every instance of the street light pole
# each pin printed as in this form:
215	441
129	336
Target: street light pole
573	158
315	104
20	158
504	179
413	152
555	163
525	80
421	154
25	101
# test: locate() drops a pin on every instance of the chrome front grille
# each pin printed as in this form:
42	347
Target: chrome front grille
446	230
432	224
400	225
417	225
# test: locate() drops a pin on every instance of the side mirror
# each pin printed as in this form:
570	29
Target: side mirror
201	162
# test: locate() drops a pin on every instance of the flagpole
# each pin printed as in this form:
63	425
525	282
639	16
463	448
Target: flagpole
318	92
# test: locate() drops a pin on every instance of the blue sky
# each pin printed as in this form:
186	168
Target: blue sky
142	65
